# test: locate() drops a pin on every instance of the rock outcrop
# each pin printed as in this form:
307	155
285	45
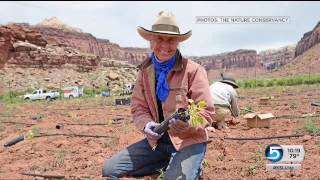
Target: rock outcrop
27	55
236	59
55	32
30	60
12	33
308	40
22	79
51	54
306	63
268	59
274	58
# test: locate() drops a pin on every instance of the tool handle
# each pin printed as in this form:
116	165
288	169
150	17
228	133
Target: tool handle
14	141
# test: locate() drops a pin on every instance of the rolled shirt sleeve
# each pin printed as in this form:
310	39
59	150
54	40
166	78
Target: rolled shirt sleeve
139	107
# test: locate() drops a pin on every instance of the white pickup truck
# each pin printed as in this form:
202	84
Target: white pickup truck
42	94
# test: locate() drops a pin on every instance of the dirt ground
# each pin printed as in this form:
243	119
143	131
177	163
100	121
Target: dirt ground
82	157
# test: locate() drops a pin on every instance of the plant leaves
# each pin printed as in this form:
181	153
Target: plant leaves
202	104
196	119
30	135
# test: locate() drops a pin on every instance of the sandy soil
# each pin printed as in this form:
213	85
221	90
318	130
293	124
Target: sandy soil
83	157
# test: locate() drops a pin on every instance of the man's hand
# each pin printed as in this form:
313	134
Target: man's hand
148	130
179	127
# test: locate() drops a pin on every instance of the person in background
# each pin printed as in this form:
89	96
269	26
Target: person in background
225	100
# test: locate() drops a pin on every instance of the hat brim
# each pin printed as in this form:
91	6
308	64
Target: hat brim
147	34
230	83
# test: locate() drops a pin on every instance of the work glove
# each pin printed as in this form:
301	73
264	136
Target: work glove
148	130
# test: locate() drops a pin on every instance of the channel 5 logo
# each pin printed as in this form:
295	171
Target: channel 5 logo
274	152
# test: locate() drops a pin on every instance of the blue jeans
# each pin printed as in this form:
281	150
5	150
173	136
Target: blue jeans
140	160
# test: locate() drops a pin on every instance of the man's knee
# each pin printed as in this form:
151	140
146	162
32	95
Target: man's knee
109	170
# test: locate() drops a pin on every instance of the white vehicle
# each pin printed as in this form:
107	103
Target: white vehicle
72	92
42	94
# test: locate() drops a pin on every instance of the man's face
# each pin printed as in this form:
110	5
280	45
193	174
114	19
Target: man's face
164	47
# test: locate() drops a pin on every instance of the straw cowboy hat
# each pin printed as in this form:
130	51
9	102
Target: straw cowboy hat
164	25
230	81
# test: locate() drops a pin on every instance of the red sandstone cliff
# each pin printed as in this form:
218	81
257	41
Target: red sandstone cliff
308	40
236	59
12	33
55	32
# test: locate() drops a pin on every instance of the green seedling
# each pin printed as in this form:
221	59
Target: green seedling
258	162
33	133
72	116
109	122
311	127
30	135
221	157
111	142
161	175
59	158
204	164
194	110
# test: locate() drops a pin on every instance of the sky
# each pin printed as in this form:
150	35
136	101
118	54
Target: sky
118	22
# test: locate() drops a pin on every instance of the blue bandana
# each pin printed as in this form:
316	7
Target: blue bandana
162	69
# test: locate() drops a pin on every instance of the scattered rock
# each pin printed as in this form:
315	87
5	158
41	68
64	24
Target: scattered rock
306	138
113	76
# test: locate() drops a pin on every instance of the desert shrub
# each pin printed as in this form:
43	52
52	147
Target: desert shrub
92	92
271	83
260	83
11	98
282	81
311	127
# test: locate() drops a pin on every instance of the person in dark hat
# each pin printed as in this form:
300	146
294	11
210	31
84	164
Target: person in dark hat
225	100
166	81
